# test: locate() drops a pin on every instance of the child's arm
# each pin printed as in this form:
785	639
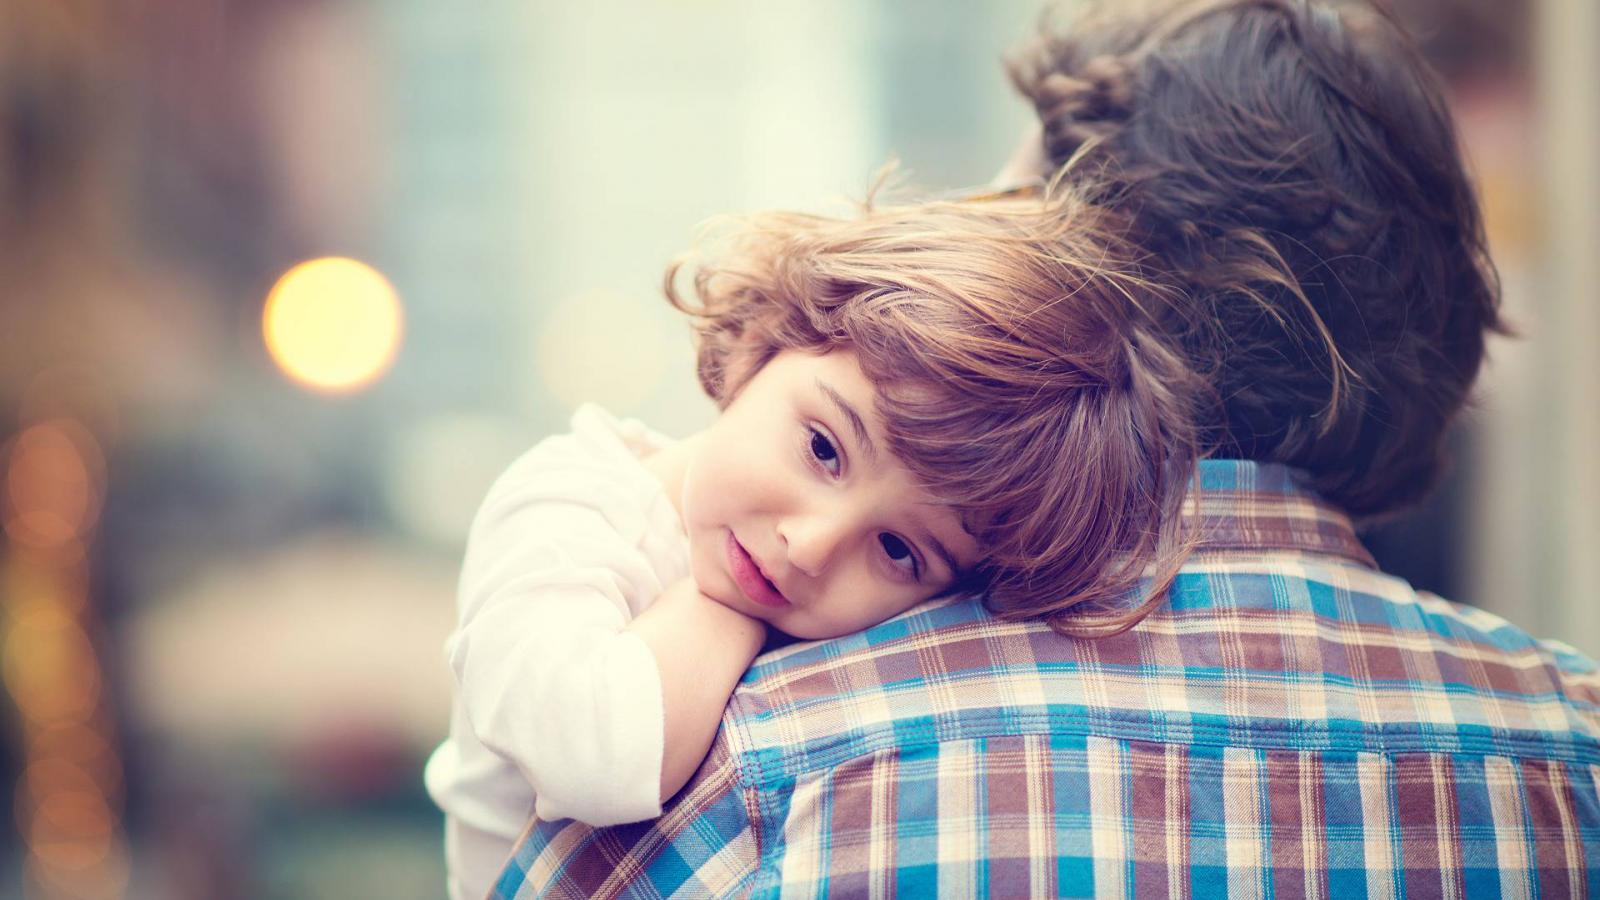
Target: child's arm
552	678
702	648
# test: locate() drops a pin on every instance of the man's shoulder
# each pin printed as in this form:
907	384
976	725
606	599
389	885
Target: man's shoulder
904	682
1280	651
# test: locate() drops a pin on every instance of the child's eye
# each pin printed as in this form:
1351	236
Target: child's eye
823	451
900	554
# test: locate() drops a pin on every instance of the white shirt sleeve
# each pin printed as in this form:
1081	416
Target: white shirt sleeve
547	677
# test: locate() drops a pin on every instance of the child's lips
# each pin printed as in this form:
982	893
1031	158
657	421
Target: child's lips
748	577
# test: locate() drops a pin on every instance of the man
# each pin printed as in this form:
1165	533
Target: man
1292	721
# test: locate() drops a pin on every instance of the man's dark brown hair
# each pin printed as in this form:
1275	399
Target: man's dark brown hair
1297	168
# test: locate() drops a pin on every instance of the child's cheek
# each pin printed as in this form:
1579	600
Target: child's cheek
708	495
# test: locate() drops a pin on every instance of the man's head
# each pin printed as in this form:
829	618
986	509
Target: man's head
1295	168
1008	369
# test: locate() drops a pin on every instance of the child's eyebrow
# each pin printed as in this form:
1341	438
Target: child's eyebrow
857	424
949	559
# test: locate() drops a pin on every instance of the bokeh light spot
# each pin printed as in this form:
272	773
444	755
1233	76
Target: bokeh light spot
53	477
81	745
72	829
333	324
49	667
51	778
604	347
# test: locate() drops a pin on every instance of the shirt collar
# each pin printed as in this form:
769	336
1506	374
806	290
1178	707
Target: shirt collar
1245	505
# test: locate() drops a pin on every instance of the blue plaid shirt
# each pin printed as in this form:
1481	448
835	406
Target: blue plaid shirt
1294	723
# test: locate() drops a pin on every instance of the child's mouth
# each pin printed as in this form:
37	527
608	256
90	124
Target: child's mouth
747	576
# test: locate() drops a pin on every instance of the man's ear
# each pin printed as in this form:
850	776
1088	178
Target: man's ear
1027	164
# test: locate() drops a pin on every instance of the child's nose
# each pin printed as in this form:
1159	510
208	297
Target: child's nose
811	541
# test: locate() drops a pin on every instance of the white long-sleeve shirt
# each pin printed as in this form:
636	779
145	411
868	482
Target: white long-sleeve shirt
558	710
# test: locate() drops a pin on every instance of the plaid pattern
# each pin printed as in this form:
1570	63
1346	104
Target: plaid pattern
1293	723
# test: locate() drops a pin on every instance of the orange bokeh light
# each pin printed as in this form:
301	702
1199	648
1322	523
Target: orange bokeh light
54	476
50	668
83	745
95	872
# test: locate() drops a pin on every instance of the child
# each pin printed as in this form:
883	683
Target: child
917	402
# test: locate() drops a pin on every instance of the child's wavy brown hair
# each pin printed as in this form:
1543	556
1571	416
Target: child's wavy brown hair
1020	378
1294	165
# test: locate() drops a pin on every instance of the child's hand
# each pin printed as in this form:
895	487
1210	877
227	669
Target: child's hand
687	594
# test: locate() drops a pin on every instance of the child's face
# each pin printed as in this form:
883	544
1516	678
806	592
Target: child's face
798	514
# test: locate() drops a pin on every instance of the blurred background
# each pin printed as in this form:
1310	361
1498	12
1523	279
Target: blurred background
283	285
